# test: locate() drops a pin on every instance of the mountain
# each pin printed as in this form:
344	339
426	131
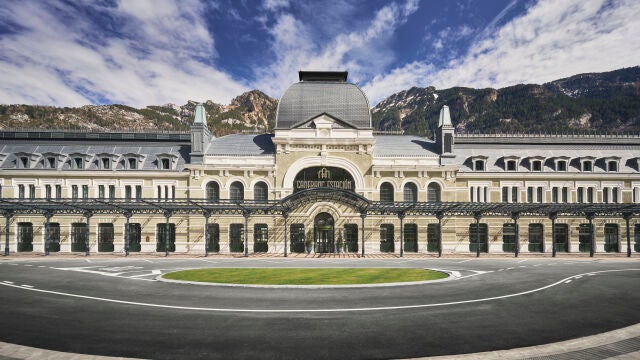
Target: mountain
253	110
587	102
607	102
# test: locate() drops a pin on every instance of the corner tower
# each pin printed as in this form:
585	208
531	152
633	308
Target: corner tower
200	135
445	134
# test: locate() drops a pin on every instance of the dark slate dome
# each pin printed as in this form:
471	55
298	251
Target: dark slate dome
323	92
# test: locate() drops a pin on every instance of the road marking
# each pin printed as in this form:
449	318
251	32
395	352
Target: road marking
8	282
27	286
521	261
41	266
460	262
146	260
27	265
568	281
239	310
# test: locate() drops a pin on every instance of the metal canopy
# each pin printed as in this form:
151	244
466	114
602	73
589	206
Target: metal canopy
10	207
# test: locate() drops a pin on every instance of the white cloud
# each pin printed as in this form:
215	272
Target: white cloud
64	58
363	52
274	5
553	39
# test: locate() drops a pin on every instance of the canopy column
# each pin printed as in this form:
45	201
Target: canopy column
592	240
285	215
553	216
515	216
401	217
363	215
167	216
87	240
627	217
47	232
206	215
439	216
478	216
7	215
246	215
127	232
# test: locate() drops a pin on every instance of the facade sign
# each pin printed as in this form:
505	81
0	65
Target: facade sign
323	177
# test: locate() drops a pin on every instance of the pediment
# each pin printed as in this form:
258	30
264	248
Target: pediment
324	121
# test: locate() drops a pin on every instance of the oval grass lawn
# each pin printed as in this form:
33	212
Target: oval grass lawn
305	276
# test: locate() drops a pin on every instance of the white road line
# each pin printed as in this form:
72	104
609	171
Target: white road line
41	266
27	265
146	260
311	310
8	282
521	261
27	286
460	262
568	281
87	260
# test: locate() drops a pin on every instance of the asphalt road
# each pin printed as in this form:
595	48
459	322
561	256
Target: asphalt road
115	307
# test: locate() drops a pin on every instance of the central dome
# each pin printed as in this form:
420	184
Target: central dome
323	92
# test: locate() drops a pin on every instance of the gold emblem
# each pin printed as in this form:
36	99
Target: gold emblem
324	174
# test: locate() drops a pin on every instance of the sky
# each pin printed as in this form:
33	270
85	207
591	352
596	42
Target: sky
153	52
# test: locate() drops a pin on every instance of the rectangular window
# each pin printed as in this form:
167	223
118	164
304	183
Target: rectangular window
511	165
236	238
106	163
565	194
351	238
54	237
530	194
580	195
590	195
138	192
173	192
472	194
79	163
79	233
411	237
386	238
135	237
539	194
58	192
562	165
433	236
562	237
448	143
21	191
32	192
127	192
514	194
509	237
614	194
105	237
25	162
587	166
133	164
584	236
161	237
483	239
554	194
159	192
165	164
101	192
260	238
605	195
47	192
297	236
51	162
25	236
505	194
85	191
74	192
112	192
536	238
611	238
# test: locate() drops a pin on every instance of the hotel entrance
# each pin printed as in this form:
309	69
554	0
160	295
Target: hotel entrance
323	230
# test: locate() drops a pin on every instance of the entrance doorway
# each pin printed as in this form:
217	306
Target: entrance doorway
323	230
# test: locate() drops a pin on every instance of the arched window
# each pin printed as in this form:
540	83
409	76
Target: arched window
213	191
261	192
236	191
410	192
433	192
386	192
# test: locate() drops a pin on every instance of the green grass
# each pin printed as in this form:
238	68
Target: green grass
305	276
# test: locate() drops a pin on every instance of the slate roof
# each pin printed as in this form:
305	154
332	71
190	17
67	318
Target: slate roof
148	151
241	145
403	145
304	100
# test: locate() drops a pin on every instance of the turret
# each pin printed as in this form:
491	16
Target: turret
445	133
200	135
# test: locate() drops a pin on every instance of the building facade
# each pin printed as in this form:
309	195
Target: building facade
322	182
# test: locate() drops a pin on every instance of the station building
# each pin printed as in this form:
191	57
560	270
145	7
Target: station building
322	182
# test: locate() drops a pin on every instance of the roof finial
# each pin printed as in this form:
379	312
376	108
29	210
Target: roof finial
445	117
201	115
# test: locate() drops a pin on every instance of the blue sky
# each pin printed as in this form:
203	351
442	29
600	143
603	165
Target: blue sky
146	52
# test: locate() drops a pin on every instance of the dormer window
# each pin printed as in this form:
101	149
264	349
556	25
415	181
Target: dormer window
51	162
165	164
132	163
561	165
612	166
536	165
511	165
106	163
587	165
78	163
478	165
24	162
